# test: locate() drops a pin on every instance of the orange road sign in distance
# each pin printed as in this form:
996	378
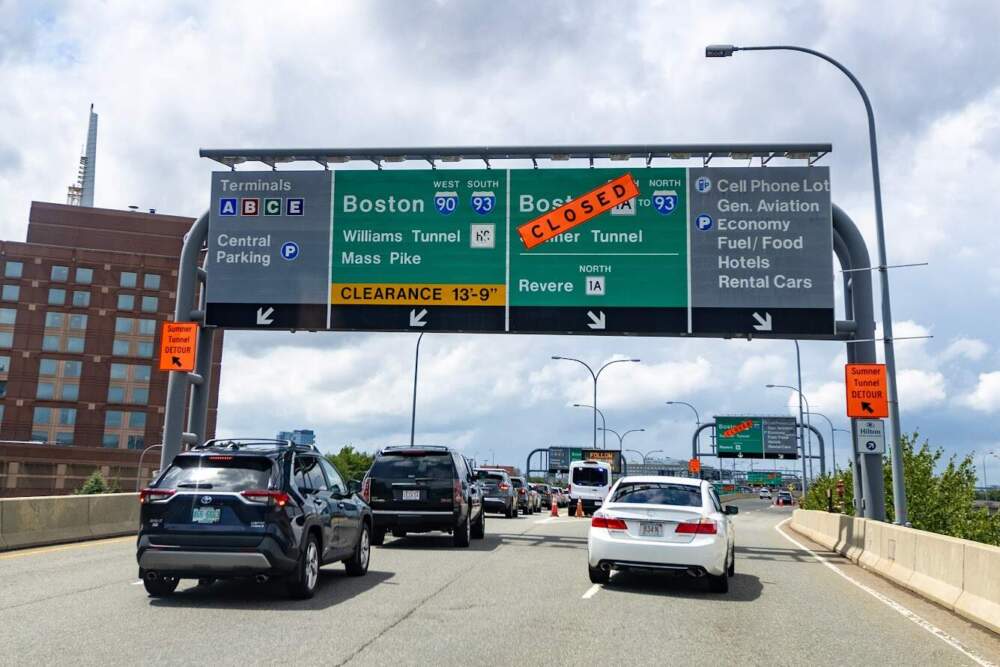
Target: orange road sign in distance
178	344
694	466
867	391
578	211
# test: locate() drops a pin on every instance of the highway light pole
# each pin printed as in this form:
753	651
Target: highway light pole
802	426
833	438
416	368
898	484
596	376
621	437
650	453
697	418
604	423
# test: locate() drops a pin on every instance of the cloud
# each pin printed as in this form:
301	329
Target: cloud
920	389
760	370
986	396
972	349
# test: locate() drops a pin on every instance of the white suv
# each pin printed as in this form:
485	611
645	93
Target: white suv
663	524
765	494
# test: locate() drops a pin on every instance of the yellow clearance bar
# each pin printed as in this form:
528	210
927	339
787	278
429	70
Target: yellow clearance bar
419	294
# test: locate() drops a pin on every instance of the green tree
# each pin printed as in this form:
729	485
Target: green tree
97	484
816	497
349	463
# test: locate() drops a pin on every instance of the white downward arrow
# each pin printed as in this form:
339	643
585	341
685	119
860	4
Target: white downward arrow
417	319
763	323
264	316
596	321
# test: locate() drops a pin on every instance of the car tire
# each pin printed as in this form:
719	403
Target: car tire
517	512
508	513
378	537
357	564
478	531
303	583
161	586
731	570
460	538
718	584
597	575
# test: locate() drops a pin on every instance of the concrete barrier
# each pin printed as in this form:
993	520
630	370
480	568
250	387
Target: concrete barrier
43	520
962	575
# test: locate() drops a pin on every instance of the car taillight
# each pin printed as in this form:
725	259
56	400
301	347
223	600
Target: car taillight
504	486
603	521
147	496
521	492
457	492
698	527
279	498
366	490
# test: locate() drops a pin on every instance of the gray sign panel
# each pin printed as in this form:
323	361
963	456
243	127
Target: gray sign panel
269	249
780	437
558	459
762	242
870	435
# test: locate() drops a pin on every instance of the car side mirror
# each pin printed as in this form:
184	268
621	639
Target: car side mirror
731	509
354	486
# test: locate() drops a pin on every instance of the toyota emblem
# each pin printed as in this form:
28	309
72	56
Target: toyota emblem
206	500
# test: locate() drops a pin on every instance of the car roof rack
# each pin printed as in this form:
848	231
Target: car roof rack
236	444
390	448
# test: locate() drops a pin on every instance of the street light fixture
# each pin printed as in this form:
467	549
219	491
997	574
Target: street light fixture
898	484
650	453
596	376
621	437
604	443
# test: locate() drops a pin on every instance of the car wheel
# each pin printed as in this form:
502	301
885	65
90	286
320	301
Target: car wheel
718	584
306	577
597	575
516	512
460	538
161	586
508	512
357	564
732	563
479	530
378	537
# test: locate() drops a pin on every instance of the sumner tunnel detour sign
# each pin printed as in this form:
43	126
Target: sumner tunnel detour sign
647	251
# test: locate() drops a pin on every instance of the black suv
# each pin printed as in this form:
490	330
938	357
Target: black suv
420	489
249	507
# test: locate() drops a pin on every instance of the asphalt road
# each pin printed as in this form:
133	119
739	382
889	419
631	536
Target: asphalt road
521	596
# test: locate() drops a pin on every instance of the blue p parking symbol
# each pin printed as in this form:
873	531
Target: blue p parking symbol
289	250
704	222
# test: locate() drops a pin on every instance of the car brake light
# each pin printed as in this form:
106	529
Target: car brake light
457	488
504	486
279	498
603	521
366	490
521	491
220	458
147	496
698	527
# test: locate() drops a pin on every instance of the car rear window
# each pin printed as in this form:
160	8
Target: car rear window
218	473
646	493
517	482
590	476
490	477
421	465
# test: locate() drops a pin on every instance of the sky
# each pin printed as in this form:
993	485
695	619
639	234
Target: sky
170	78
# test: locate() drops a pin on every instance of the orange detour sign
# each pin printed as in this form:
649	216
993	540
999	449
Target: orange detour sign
867	391
178	343
578	211
694	466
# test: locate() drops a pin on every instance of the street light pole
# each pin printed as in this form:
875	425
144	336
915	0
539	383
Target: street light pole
604	443
802	426
833	437
596	376
416	368
697	418
898	484
621	437
650	453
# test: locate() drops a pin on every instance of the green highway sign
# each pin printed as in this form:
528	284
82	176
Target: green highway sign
767	478
737	251
756	437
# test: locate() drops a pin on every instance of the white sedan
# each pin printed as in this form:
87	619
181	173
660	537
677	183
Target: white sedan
666	524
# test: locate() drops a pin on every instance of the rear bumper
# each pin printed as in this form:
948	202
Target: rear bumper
499	505
413	521
266	558
704	554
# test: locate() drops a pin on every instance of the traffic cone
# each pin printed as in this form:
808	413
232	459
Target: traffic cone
579	508
555	508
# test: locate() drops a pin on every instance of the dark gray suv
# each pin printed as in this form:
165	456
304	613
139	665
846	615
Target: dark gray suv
499	494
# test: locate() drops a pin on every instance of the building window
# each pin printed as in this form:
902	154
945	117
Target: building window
81	299
137	421
150	304
109	440
119	371
3	389
120	348
50	343
124	324
141	373
140	396
84	275
145	350
4	364
40	436
74	344
126	302
67	416
42	416
151	281
11	293
70	392
54	320
78	322
127	279
147	327
48	367
136	442
116	395
71	369
113	419
13	270
8	315
60	274
6	338
57	296
46	391
64	437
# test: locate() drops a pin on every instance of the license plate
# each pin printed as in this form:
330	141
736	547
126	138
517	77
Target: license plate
651	529
598	502
411	494
205	515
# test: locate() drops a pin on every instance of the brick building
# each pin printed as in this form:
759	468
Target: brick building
81	305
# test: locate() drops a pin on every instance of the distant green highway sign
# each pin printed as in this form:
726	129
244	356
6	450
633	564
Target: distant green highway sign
756	437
